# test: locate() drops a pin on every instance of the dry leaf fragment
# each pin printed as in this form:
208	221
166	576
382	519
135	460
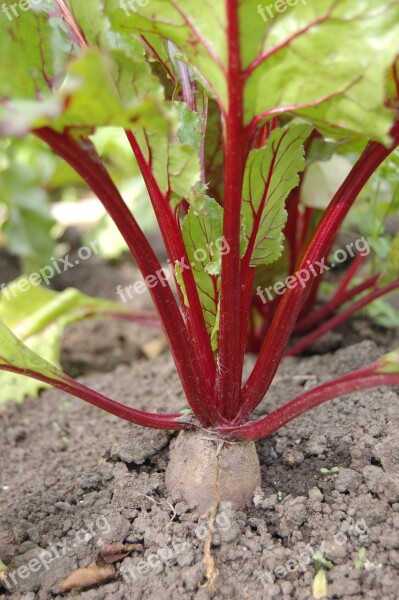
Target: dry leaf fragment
87	577
112	553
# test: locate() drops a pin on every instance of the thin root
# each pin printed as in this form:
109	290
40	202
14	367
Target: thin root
172	508
212	571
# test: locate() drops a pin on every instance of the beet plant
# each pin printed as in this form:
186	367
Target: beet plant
223	112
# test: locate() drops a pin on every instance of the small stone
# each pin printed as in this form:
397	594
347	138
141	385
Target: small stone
315	494
293	457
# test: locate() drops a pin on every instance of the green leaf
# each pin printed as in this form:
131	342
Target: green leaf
203	239
214	159
47	80
321	561
324	59
89	15
38	317
3	570
197	29
28	55
174	163
15	354
389	363
180	281
326	471
271	173
190	131
382	313
322	180
98	90
359	564
328	59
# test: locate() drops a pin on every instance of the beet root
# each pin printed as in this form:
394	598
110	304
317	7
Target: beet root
206	472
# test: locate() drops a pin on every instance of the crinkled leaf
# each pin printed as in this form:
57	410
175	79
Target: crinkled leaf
28	56
190	132
271	173
203	239
197	29
38	316
175	164
89	15
98	90
47	80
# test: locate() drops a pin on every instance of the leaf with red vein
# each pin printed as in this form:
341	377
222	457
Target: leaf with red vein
203	239
326	57
197	28
271	173
60	85
17	358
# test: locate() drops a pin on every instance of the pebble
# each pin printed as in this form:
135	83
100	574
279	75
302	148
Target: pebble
292	457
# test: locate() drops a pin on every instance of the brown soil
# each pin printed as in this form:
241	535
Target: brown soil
75	476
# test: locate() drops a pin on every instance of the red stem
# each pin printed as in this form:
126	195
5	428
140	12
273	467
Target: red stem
139	417
246	292
87	164
174	244
331	306
229	369
349	275
149	318
338	319
364	378
293	300
305	225
291	228
358	380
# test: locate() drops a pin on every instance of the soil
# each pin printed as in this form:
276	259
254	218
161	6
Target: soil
74	479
